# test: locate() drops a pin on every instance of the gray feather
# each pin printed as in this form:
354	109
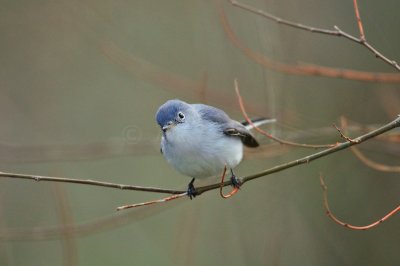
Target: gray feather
212	114
229	127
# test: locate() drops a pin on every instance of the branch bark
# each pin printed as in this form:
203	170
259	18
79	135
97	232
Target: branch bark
303	69
307	159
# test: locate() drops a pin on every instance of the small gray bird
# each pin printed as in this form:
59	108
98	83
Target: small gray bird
199	140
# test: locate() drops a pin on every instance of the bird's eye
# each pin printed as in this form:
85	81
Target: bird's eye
181	116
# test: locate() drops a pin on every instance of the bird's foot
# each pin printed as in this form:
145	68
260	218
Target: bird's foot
235	182
191	191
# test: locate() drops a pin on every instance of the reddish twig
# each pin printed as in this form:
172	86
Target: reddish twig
342	135
372	164
281	141
309	69
359	22
307	159
173	197
230	194
111	222
340	146
364	159
350	226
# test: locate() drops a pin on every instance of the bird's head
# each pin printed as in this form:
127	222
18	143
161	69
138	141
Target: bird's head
172	113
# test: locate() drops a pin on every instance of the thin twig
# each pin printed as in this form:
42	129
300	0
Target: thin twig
340	146
230	194
336	32
307	159
166	199
89	182
374	165
303	69
359	22
281	20
342	135
270	136
364	159
350	226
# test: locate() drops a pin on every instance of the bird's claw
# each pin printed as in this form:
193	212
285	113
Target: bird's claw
235	182
191	191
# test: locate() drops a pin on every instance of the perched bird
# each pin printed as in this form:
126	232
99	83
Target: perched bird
199	140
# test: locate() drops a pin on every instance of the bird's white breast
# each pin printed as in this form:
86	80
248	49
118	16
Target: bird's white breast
200	151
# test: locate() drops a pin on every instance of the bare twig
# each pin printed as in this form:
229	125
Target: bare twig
340	146
364	159
46	233
270	136
230	194
369	47
308	69
89	182
359	22
342	134
166	199
307	159
374	165
281	20
350	226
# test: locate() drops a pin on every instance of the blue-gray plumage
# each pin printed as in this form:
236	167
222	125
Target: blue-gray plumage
200	140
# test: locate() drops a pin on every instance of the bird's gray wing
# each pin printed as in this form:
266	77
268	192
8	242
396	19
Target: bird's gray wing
229	127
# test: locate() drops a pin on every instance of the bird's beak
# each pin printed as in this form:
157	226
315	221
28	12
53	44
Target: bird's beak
169	125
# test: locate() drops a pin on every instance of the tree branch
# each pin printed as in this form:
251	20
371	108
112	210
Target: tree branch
374	165
308	69
350	226
270	136
340	146
362	157
359	22
336	32
89	182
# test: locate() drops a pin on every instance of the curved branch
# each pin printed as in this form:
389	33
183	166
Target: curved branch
304	69
336	32
270	136
340	146
110	222
362	157
350	226
374	165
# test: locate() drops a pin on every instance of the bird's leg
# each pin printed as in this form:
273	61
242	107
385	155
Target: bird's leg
191	191
236	183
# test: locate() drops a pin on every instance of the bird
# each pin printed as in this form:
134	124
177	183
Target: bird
199	140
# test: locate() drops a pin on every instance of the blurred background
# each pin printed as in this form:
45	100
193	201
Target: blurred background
80	82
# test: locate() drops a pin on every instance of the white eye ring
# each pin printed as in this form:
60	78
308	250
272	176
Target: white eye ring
181	116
